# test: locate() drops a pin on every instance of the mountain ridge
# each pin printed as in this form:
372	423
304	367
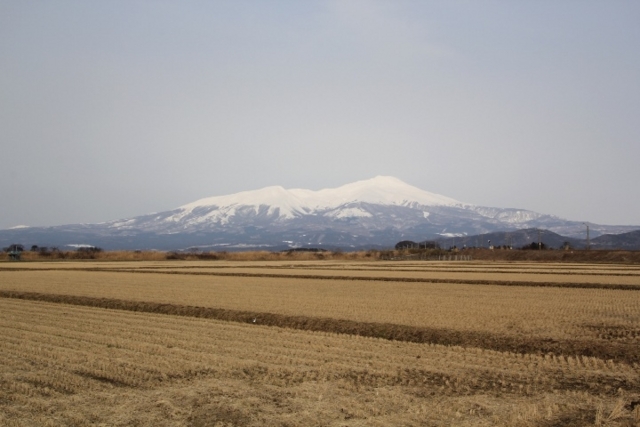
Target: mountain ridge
381	190
377	212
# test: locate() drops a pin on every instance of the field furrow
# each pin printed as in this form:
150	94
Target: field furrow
312	343
274	357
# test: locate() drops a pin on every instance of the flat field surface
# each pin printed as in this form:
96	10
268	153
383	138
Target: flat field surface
319	343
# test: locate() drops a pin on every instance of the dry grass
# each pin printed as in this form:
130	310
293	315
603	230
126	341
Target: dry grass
67	365
618	343
573	360
516	311
444	275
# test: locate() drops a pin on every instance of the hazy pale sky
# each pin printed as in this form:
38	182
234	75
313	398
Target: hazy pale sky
112	109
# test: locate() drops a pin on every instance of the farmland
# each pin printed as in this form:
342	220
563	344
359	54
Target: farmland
319	343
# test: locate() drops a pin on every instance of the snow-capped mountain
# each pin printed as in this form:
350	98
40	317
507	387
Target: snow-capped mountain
374	212
279	204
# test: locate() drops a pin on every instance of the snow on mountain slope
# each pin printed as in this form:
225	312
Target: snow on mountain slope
279	204
276	197
513	216
379	203
383	190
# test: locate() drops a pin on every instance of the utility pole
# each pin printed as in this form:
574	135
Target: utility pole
588	242
539	242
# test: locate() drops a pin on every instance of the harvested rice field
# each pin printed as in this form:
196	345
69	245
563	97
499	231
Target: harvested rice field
324	343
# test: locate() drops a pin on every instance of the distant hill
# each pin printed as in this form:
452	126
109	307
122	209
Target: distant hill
630	241
514	238
520	238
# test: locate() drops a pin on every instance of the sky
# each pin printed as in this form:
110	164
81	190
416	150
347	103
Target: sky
113	109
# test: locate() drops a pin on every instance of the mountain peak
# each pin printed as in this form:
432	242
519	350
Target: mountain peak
388	190
384	190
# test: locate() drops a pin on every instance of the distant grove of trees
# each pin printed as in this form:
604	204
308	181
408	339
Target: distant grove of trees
535	246
16	249
409	244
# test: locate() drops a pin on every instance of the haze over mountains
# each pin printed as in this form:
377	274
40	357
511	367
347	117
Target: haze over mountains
377	212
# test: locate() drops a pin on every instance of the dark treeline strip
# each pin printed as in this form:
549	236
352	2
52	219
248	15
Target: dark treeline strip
621	352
